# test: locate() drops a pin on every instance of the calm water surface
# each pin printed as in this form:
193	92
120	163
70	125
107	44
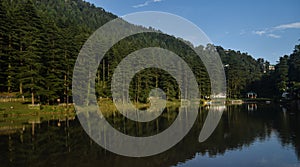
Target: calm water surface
247	135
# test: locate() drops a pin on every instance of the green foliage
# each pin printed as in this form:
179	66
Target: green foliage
3	37
241	70
294	65
40	41
285	78
281	73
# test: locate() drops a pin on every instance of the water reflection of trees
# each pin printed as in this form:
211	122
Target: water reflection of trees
68	144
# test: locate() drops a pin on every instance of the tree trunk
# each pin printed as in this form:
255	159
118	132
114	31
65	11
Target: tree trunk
32	98
9	83
21	85
103	79
9	79
107	69
138	90
88	90
98	78
21	88
65	89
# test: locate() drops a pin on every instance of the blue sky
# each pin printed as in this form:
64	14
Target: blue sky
262	28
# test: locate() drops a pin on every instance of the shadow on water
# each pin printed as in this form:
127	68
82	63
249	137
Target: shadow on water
62	141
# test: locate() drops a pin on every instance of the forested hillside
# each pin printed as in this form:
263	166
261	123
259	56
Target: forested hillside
241	69
41	39
285	77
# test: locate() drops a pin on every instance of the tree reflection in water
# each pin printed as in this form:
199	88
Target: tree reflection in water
65	143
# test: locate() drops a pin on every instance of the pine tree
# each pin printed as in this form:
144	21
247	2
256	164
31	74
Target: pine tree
28	28
282	74
294	65
3	46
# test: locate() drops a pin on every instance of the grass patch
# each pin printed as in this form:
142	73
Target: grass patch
107	106
17	108
14	108
13	114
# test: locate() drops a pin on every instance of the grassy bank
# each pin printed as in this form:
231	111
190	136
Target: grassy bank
17	108
14	116
108	105
105	105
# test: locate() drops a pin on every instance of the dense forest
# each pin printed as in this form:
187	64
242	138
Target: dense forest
41	39
245	74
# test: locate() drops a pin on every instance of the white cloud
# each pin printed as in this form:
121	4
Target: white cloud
146	3
259	32
288	26
270	32
141	5
273	36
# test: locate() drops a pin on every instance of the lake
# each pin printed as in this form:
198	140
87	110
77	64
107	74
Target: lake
247	135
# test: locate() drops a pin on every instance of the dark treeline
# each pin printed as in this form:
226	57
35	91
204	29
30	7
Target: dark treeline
41	39
285	77
246	74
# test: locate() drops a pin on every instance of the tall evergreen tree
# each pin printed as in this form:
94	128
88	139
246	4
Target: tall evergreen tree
294	64
3	46
28	31
282	69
